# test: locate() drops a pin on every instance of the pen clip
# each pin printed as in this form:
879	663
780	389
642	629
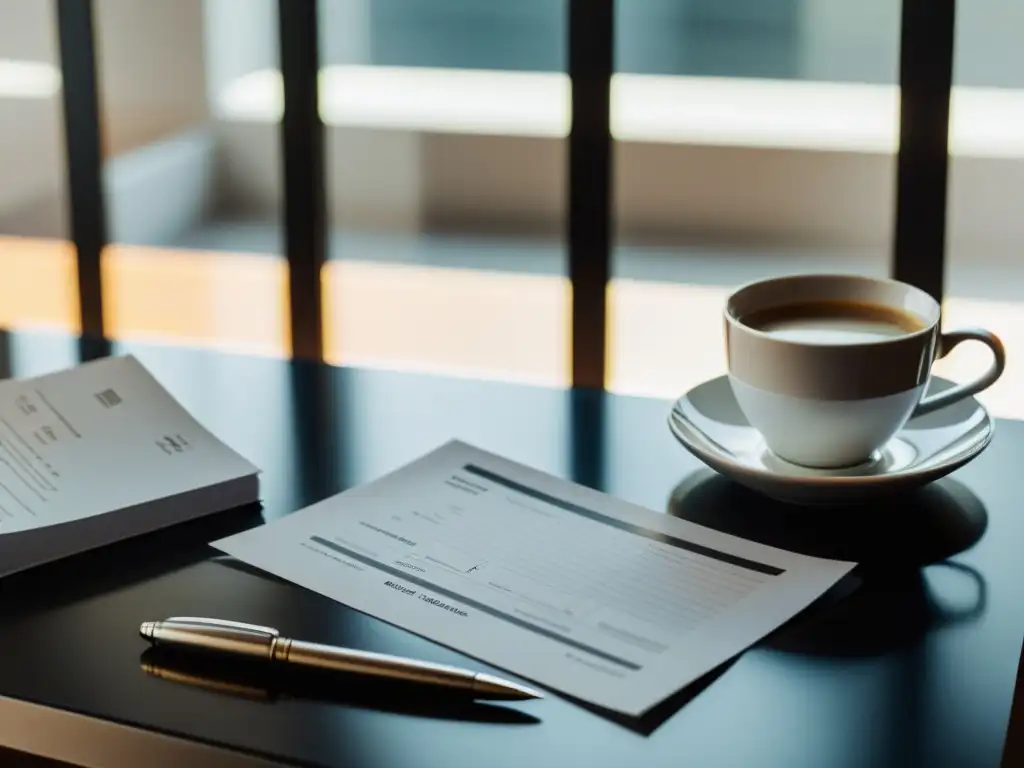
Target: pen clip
235	627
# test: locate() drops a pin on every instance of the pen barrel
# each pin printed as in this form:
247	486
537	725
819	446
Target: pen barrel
182	634
373	664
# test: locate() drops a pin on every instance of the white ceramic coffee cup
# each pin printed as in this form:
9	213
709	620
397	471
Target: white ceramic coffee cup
829	406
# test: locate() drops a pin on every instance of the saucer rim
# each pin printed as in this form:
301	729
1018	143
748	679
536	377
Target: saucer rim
826	480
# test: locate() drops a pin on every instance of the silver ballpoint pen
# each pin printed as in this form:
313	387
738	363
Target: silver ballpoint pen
251	641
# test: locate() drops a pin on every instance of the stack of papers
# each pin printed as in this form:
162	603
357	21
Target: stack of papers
102	452
603	600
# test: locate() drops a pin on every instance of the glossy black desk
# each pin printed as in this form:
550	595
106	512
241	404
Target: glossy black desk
905	664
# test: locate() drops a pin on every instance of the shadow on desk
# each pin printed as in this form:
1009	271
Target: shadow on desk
885	602
660	713
120	565
10	759
903	532
261	682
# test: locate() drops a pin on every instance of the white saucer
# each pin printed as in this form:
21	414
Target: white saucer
709	423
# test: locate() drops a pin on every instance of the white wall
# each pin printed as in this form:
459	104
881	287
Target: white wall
152	86
151	63
27	31
239	36
31	131
409	181
151	69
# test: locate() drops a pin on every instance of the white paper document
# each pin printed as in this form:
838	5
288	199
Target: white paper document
101	452
603	600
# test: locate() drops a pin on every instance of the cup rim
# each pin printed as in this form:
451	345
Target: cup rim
737	323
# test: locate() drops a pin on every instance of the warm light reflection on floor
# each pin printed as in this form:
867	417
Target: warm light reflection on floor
228	300
455	321
968	361
38	284
663	337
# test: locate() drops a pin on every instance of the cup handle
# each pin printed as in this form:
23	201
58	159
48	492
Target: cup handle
946	344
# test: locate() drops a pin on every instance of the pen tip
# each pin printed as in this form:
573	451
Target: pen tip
146	630
491	687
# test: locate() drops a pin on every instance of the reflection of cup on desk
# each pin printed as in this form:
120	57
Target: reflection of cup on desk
887	601
888	610
896	533
828	368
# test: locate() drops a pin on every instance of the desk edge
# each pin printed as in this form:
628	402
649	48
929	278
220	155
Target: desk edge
92	742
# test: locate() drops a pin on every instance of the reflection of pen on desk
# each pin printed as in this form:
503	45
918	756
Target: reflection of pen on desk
267	684
207	681
264	643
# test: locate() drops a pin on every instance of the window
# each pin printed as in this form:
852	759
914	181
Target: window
753	138
984	230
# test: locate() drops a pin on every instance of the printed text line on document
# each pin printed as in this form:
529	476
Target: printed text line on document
597	517
476	604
